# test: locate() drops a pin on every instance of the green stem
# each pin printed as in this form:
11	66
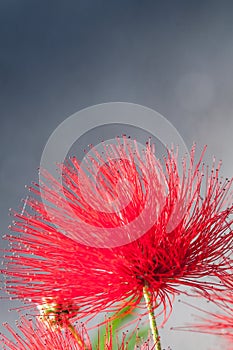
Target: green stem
153	325
75	334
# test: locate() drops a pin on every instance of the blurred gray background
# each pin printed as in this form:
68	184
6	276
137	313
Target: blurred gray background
57	57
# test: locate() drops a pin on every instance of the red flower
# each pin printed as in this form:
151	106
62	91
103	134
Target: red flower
219	322
37	336
183	235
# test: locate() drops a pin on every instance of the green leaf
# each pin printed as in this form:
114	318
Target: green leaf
120	318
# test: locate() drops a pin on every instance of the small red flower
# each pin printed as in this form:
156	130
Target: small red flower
183	236
35	335
218	322
39	335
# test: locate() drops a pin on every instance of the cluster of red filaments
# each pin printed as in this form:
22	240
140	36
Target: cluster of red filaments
154	226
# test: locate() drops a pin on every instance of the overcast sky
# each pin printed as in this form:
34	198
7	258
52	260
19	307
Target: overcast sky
57	57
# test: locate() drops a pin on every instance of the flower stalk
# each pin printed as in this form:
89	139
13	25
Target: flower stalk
76	336
153	325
